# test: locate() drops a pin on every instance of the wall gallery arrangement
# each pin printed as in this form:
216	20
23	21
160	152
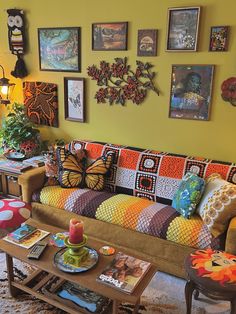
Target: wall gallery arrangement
60	50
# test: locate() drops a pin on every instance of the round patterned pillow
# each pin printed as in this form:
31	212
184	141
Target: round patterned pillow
13	213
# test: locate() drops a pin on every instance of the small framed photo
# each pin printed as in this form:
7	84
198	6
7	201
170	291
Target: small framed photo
182	34
190	94
74	99
59	49
147	42
109	36
219	38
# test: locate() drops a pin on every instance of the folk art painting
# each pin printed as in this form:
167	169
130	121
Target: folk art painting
41	102
59	49
190	95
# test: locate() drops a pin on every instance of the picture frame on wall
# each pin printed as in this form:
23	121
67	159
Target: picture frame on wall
191	88
109	36
147	42
182	29
219	38
59	49
74	98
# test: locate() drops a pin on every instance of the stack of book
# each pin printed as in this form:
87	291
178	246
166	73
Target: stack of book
26	236
14	166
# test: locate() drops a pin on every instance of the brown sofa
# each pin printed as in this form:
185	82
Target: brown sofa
167	255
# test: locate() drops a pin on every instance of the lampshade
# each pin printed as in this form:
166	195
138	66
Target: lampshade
6	88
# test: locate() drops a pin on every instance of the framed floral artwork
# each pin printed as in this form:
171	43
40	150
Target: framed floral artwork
182	30
147	42
74	99
219	38
190	94
59	49
109	36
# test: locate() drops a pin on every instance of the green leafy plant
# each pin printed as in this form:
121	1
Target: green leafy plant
18	129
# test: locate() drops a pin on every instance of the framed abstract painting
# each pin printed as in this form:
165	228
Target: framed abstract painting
59	49
219	38
190	94
74	99
182	34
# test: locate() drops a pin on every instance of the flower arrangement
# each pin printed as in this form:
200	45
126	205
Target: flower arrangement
228	90
121	83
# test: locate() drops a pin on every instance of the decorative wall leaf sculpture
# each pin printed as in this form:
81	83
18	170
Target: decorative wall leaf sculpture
121	83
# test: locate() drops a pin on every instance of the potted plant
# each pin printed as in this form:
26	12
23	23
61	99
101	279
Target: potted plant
18	133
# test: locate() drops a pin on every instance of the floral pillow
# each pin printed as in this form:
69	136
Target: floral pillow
218	204
188	194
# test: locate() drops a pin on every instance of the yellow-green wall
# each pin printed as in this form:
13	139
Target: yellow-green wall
146	125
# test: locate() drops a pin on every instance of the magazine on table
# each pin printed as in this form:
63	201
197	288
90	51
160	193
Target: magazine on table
124	272
30	240
22	232
14	166
36	161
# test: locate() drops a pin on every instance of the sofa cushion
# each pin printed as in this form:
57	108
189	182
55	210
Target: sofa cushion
131	212
188	194
74	173
218	204
152	174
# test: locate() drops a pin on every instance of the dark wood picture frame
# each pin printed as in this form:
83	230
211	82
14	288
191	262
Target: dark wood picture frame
74	98
147	42
219	38
191	91
183	36
59	49
109	36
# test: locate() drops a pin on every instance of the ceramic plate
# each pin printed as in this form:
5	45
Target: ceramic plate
15	156
90	262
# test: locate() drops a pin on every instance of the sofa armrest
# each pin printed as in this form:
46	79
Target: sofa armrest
230	244
30	181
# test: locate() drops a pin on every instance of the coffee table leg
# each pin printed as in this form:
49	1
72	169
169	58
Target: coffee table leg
115	306
10	274
136	307
233	306
189	288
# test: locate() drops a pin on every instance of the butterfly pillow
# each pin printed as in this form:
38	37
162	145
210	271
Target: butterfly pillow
73	173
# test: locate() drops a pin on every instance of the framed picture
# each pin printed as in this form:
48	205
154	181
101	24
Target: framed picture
182	28
74	99
219	38
109	36
59	49
190	95
147	42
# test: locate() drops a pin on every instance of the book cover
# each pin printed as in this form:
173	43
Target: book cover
83	297
36	161
22	232
13	166
124	272
30	240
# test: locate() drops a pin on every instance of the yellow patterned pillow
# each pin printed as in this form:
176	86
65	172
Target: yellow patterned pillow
218	204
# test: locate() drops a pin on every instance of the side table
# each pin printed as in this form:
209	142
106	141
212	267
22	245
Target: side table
213	273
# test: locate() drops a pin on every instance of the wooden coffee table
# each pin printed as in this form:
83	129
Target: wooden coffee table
86	279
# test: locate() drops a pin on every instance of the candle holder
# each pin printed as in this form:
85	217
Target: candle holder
76	253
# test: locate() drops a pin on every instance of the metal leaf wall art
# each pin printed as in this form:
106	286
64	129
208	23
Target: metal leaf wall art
118	83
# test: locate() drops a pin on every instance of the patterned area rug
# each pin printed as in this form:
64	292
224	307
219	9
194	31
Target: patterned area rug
164	295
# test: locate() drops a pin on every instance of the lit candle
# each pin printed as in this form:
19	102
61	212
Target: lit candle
76	231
